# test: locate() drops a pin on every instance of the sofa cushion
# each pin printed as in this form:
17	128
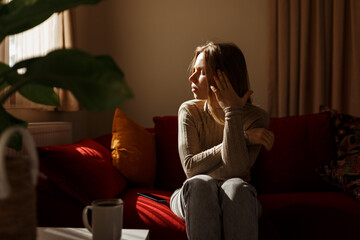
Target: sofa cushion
133	151
312	215
302	143
141	212
56	208
83	170
344	171
104	140
169	172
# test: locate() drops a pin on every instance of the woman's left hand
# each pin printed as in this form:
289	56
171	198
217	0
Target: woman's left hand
260	136
225	94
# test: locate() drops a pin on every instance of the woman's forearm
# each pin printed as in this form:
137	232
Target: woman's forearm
203	162
234	150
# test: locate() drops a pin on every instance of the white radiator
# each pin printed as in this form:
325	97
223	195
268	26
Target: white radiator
51	133
45	134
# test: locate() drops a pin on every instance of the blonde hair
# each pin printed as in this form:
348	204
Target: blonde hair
228	58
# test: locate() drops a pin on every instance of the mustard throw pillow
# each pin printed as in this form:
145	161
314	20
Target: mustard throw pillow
133	150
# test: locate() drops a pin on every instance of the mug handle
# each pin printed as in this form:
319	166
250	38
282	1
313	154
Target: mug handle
85	218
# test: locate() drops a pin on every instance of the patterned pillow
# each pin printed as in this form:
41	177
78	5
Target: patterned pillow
345	171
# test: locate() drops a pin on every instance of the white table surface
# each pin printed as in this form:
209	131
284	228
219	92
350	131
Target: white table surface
44	233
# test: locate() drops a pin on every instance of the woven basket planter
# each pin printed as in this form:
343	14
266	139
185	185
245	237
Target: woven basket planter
17	190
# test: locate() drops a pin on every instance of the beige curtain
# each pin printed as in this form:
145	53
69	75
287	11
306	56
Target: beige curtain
4	51
52	34
4	57
314	56
67	100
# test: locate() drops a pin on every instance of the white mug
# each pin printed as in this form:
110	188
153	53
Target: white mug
106	220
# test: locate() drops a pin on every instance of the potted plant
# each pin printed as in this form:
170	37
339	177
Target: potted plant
95	81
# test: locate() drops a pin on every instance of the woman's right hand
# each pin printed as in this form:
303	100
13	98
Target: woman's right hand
260	136
225	94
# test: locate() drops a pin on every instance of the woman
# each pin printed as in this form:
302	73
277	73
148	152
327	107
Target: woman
220	136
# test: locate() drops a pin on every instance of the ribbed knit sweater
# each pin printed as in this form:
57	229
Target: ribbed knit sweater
221	151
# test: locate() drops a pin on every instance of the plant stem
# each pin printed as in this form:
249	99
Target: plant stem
13	89
3	75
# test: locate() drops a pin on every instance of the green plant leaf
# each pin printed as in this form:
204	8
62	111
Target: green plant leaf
21	15
40	94
4	68
3	84
32	91
7	120
96	82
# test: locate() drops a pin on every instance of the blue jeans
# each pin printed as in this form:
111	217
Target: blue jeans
215	209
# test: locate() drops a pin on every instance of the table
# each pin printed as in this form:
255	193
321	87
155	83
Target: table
44	233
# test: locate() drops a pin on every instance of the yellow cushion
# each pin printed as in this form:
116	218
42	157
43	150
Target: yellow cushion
133	150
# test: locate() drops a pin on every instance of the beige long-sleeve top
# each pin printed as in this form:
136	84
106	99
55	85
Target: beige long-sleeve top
221	151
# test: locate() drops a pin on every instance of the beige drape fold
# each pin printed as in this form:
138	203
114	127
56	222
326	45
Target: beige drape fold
314	56
67	100
4	51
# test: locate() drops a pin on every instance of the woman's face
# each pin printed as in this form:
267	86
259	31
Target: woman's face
199	83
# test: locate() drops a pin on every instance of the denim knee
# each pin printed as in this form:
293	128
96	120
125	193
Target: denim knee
202	209
240	193
238	188
201	186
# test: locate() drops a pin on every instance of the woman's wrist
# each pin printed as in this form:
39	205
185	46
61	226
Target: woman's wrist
232	108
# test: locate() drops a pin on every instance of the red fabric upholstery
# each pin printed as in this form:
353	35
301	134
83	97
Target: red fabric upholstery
302	144
104	140
170	174
294	198
56	208
268	230
83	170
141	212
316	215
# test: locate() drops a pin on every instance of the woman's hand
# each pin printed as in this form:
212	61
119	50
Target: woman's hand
260	136
225	94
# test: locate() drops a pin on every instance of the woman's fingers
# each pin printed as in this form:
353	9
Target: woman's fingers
225	79
247	95
219	80
261	136
269	139
215	90
225	93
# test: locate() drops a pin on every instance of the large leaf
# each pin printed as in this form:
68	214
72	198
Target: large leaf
96	82
7	120
40	94
3	84
32	91
20	15
3	70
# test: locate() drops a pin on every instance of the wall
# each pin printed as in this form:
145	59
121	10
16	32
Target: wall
153	43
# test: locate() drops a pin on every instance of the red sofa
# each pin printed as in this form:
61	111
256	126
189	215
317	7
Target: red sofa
296	202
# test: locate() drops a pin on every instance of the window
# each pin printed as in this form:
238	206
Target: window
54	33
37	41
